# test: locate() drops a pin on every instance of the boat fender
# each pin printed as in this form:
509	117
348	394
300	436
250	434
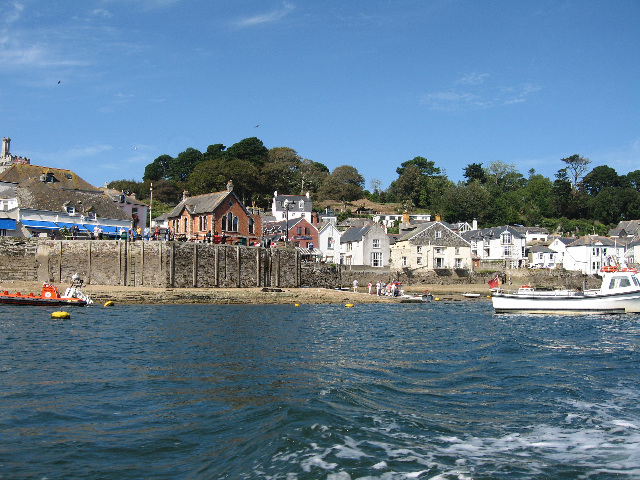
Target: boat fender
437	299
60	315
349	305
109	303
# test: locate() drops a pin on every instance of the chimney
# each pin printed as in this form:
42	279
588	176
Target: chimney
405	217
185	194
437	217
474	224
229	186
6	141
133	195
308	195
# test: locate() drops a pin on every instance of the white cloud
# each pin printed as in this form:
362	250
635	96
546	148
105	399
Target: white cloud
12	14
473	78
269	17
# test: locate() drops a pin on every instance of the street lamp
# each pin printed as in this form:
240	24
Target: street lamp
286	204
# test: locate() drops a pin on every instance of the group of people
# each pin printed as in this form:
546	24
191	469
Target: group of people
391	289
133	234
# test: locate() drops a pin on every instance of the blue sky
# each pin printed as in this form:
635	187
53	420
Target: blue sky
103	87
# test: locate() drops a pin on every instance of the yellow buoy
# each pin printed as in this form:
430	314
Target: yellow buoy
109	303
60	315
437	298
296	304
349	305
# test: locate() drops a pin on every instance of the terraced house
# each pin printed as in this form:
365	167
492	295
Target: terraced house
431	246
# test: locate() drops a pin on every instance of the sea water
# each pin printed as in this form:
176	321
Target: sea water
446	390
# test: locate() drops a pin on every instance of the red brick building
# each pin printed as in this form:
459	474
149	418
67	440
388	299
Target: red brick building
217	217
301	233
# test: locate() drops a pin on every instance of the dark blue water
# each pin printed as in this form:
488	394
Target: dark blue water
438	391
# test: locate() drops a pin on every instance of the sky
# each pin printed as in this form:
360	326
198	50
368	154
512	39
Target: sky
103	87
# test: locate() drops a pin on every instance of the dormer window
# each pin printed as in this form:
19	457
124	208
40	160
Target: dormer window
71	210
122	198
91	215
49	178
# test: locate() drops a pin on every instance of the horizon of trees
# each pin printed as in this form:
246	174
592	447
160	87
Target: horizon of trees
577	200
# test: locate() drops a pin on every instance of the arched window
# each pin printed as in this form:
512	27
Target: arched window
224	222
235	224
230	221
251	225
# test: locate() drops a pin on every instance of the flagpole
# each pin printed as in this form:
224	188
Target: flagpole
150	202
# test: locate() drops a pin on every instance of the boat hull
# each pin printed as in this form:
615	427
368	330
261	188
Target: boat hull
51	302
628	302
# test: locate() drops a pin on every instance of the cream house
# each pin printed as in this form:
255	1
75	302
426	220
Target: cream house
431	246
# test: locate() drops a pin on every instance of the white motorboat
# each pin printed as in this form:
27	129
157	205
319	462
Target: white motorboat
618	293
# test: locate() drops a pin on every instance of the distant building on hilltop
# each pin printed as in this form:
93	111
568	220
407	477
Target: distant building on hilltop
6	159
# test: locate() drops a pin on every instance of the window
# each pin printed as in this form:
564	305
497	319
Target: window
376	259
349	246
506	251
419	249
438	233
299	230
457	251
202	223
376	243
438	250
91	215
438	262
404	261
506	238
330	243
458	263
71	210
419	260
235	224
251	225
224	222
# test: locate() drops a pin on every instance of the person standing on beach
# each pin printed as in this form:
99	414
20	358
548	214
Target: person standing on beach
355	286
378	288
369	287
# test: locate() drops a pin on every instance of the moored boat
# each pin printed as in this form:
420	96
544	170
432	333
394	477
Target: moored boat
618	293
49	296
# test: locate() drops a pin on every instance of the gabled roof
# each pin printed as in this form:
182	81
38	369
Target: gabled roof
206	203
426	230
492	232
115	196
565	240
282	225
541	249
295	203
593	240
66	189
355	234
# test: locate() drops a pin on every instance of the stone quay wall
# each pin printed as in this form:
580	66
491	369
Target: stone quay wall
149	264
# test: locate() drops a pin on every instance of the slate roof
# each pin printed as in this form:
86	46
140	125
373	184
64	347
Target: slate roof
295	200
593	240
492	232
541	249
355	234
66	189
206	203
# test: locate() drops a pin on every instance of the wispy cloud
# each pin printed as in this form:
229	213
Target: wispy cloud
473	78
268	17
11	13
475	90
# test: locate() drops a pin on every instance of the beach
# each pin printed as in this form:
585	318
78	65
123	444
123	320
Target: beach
257	295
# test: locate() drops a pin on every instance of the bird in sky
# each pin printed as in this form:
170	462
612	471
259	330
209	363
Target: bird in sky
256	126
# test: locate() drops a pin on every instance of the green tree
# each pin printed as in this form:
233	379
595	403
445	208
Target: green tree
344	184
576	167
158	169
599	178
474	171
250	149
181	167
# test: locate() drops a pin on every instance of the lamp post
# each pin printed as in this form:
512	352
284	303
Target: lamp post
286	204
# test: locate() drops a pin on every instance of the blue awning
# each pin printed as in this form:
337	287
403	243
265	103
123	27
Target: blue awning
7	224
108	230
69	226
40	225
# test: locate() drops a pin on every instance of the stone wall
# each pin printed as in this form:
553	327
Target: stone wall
149	264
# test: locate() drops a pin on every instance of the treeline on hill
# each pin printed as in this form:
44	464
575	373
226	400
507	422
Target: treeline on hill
576	201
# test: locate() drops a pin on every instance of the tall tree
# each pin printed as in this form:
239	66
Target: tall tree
474	171
158	169
599	178
250	149
576	167
344	184
181	167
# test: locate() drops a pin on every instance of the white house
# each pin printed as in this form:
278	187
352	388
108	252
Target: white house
559	245
329	242
499	243
590	253
389	219
542	257
285	207
431	246
367	245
